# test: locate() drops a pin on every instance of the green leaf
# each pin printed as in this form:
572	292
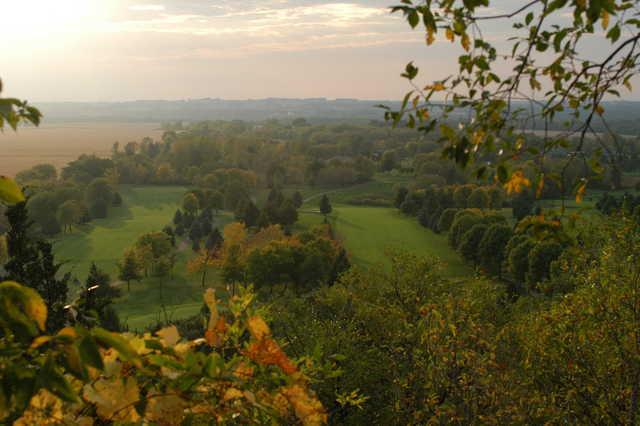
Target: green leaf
10	192
54	381
90	353
112	340
413	18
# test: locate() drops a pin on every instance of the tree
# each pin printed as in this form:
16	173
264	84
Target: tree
522	205
540	258
70	213
98	209
129	269
247	212
492	248
190	204
42	209
479	199
461	196
446	219
177	217
32	263
117	199
388	161
470	242
551	72
95	304
297	199
214	241
401	194
288	214
325	207
99	190
461	224
519	260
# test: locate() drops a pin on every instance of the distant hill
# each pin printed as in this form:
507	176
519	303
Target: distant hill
622	116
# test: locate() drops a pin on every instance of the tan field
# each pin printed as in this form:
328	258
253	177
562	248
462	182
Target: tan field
59	143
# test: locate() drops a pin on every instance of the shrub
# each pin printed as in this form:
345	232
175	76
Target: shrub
539	262
446	219
492	248
519	260
470	242
479	199
460	226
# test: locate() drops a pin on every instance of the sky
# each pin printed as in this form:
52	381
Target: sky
117	50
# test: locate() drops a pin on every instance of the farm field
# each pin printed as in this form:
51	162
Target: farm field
59	143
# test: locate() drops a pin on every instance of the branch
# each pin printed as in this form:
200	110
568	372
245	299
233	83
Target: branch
506	15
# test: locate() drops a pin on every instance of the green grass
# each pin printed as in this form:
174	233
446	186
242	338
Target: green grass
103	241
367	232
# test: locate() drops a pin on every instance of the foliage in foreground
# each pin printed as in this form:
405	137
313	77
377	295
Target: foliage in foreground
236	373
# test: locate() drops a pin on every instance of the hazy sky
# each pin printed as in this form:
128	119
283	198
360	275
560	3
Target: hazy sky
105	50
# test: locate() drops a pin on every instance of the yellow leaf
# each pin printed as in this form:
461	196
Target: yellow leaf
540	186
465	42
580	191
114	399
628	85
44	409
232	393
258	328
516	182
169	335
10	192
165	410
450	35
431	36
307	408
599	109
605	19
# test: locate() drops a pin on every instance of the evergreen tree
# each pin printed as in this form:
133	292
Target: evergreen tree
325	207
297	199
214	240
94	306
31	262
195	234
177	218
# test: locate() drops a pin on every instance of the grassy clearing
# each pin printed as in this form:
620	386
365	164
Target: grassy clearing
368	232
145	209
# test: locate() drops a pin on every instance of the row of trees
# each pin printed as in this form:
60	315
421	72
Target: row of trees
269	258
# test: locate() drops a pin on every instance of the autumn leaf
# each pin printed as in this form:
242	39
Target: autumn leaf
582	187
431	36
465	42
165	410
114	399
232	393
258	328
450	35
169	335
307	408
44	409
540	186
516	182
268	352
605	19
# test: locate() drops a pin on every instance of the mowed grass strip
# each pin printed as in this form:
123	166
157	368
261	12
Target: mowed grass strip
368	232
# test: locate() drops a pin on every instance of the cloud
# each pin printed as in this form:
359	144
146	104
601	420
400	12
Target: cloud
146	7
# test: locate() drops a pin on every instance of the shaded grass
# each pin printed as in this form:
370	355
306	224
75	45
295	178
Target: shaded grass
145	209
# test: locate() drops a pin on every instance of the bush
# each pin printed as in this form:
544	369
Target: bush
401	195
519	260
539	262
460	226
479	199
446	219
470	242
492	248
